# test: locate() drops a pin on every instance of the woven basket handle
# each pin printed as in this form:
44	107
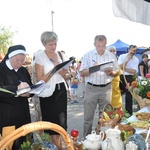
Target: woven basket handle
31	127
124	68
106	105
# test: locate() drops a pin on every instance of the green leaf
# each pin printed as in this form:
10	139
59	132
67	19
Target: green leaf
45	137
6	91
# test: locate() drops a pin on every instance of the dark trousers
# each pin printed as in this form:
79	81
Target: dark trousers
128	96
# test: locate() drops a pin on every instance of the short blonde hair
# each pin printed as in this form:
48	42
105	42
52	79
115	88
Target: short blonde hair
48	36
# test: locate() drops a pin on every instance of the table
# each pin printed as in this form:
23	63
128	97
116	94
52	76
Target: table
133	118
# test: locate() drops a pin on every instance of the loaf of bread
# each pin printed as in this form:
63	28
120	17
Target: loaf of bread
143	116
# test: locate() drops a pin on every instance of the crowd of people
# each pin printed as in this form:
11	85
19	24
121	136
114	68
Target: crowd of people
98	88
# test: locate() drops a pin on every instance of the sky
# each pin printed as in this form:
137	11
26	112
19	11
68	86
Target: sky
76	22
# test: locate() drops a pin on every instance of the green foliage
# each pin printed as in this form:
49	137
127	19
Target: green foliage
126	115
135	76
144	87
26	145
45	137
6	39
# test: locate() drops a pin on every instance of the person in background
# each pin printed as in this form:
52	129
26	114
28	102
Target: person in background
116	97
81	79
53	99
143	66
13	76
64	55
1	56
27	62
69	76
34	101
98	84
129	64
74	87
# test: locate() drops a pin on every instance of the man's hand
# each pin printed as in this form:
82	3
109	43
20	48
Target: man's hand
108	72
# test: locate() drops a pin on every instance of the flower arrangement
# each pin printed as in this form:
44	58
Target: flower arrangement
142	88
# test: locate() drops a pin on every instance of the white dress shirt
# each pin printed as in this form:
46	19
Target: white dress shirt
43	60
98	77
132	64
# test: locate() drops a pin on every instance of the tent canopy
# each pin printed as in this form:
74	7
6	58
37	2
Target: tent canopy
120	46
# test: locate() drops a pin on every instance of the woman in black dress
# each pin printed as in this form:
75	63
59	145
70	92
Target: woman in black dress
53	99
14	110
143	66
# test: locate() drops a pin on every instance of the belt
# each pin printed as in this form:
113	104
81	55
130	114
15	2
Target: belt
99	85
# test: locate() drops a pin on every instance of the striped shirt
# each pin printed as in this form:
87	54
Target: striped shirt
98	77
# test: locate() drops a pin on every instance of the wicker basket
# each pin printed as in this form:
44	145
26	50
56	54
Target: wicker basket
143	102
110	123
31	127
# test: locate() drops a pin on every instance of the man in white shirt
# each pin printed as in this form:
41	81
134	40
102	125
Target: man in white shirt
129	64
98	87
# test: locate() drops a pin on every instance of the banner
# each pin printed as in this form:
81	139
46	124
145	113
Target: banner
133	10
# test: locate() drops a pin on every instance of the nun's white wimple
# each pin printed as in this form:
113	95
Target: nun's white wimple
19	51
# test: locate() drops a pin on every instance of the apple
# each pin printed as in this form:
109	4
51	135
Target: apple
74	133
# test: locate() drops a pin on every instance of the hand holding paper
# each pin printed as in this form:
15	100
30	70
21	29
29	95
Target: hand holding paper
101	67
64	65
33	89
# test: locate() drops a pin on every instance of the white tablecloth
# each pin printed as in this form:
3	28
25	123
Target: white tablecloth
133	118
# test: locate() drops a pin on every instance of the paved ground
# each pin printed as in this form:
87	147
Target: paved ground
75	115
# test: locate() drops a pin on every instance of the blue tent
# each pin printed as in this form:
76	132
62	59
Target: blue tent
121	47
141	50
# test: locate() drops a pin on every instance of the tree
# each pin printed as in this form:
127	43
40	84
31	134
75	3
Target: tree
6	39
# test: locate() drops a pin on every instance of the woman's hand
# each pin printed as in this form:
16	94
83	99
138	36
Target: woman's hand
63	72
24	85
25	95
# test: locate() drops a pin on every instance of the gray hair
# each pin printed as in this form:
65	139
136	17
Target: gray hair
100	38
111	47
48	36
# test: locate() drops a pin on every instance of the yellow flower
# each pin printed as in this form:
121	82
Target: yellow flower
134	84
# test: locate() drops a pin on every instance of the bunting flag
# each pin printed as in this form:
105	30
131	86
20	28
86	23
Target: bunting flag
133	10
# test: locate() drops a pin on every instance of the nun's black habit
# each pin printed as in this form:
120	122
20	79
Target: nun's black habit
13	110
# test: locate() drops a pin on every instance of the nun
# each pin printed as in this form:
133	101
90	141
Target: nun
14	111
